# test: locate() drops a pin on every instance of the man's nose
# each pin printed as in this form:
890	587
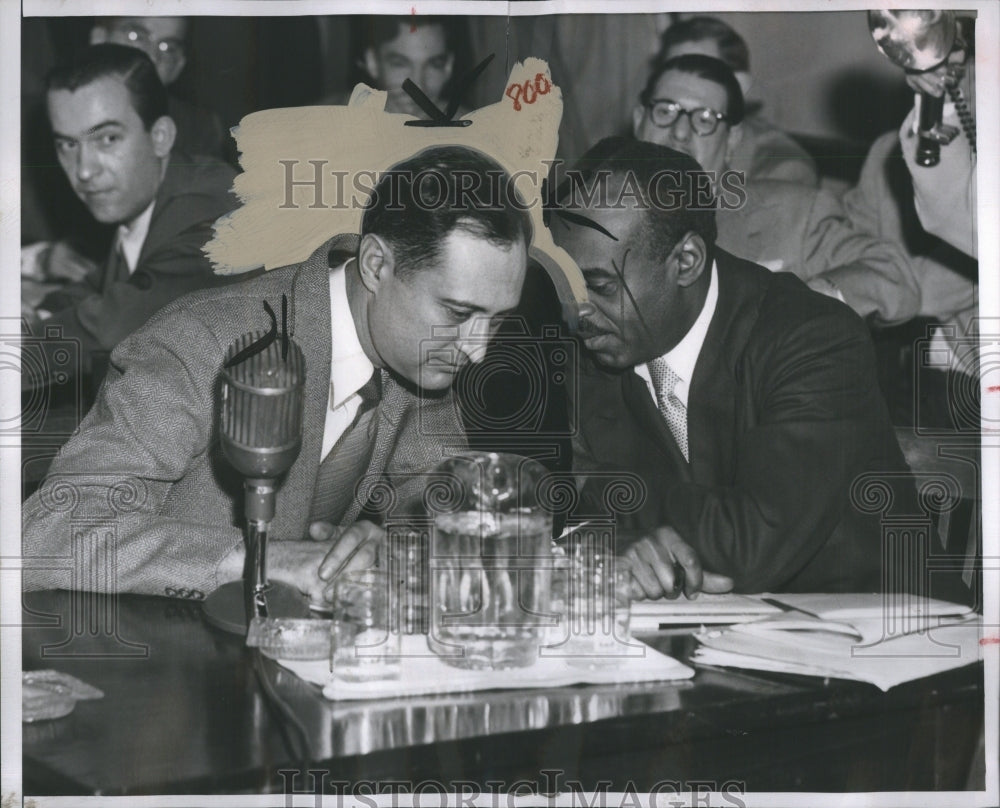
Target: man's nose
591	318
680	130
474	339
87	162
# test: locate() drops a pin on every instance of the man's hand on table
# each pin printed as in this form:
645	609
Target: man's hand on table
664	565
313	564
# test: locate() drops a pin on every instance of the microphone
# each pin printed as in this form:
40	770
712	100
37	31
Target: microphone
261	418
260	430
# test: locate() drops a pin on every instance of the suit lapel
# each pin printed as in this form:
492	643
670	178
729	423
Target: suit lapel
712	399
613	440
309	323
390	412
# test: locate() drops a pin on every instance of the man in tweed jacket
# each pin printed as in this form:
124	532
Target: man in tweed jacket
142	499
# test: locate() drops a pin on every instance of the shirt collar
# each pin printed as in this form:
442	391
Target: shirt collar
683	357
350	366
132	236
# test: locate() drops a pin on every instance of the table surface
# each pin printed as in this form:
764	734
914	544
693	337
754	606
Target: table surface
184	711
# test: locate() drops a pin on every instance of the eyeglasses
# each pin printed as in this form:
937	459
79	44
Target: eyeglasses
138	37
665	112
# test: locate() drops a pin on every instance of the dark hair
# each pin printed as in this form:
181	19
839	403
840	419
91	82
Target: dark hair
131	65
670	209
419	202
706	67
378	29
732	48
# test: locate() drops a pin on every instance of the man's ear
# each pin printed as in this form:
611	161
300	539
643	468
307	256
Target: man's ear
733	140
168	77
375	260
164	133
371	64
745	81
638	113
98	35
690	253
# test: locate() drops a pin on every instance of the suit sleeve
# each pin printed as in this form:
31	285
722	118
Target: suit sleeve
875	276
945	194
98	523
171	267
814	428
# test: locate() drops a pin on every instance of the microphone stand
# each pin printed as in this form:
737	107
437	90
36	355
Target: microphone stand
260	512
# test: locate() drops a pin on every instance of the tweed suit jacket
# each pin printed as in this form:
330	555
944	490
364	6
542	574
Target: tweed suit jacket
141	499
788	227
784	413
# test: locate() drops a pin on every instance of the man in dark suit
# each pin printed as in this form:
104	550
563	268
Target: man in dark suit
747	403
114	140
385	323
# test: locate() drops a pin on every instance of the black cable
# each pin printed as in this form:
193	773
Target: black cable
965	116
301	750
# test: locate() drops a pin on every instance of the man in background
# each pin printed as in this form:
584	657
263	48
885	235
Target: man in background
930	213
764	151
694	104
394	49
114	139
164	41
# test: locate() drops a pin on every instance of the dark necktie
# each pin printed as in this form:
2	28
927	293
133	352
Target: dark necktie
345	465
117	266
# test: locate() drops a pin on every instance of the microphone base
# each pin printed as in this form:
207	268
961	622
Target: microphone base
226	607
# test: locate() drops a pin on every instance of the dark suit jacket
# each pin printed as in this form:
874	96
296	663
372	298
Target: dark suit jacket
104	309
141	499
784	413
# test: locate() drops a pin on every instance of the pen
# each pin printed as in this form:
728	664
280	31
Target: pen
572	529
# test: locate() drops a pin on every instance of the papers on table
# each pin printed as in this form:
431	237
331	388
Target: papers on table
705	610
863	637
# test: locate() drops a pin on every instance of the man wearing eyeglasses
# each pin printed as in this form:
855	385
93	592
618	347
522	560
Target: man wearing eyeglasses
164	41
693	103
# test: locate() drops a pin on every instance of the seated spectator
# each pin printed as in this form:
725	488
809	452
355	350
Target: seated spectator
930	213
114	140
163	39
764	152
394	49
694	104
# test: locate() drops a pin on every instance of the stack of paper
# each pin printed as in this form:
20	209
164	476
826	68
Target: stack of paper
863	637
705	610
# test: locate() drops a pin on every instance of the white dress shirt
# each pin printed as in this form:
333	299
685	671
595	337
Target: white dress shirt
350	367
131	237
684	355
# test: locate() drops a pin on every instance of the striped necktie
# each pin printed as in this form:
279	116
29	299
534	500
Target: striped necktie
669	405
346	463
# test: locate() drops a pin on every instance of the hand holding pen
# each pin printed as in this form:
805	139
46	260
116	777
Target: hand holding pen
664	565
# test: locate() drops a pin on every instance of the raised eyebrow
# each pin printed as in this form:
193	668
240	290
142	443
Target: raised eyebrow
97	127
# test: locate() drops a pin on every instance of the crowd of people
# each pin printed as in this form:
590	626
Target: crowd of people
726	351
